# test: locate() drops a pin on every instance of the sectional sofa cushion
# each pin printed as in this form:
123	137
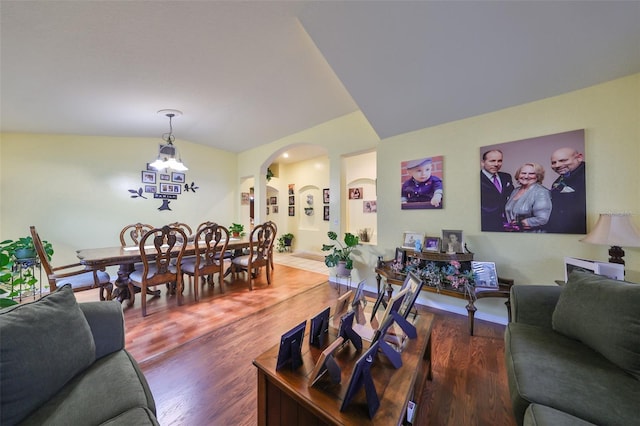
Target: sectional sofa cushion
603	314
36	361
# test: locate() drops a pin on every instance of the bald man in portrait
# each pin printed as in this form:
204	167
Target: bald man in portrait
568	193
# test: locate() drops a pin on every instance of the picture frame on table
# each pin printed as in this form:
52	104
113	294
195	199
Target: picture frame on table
431	243
409	239
401	256
452	241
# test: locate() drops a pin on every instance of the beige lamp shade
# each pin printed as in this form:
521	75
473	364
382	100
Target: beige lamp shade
614	229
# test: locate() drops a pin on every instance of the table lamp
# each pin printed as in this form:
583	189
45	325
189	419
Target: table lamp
615	230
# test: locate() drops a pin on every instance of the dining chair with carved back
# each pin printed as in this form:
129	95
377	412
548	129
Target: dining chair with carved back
275	233
158	248
260	248
184	227
131	234
210	242
74	274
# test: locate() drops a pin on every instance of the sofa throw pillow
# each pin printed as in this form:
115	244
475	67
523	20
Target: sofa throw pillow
44	345
603	314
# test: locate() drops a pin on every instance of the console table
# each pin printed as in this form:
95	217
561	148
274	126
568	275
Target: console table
504	284
285	398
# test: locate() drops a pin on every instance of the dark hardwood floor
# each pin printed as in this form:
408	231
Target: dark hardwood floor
207	377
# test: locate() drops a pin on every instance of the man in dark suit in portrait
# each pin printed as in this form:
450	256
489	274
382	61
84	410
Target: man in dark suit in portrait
568	193
495	189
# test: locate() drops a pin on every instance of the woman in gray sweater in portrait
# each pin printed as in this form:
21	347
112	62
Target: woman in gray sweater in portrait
529	205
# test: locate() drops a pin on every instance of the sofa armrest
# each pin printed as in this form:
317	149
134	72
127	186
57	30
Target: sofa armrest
534	304
107	325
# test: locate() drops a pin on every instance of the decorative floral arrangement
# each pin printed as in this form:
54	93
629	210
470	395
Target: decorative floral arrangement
450	274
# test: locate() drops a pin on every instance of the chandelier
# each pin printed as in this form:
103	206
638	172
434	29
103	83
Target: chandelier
168	157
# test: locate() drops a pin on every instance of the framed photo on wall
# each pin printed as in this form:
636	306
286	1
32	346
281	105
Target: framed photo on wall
275	209
325	195
273	200
409	239
452	241
148	177
325	216
292	200
177	177
355	193
292	211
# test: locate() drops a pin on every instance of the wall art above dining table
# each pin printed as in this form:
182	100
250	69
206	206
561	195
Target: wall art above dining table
164	185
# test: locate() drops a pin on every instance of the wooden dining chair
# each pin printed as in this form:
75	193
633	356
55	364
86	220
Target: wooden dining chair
260	249
134	232
210	243
275	233
182	226
75	274
157	248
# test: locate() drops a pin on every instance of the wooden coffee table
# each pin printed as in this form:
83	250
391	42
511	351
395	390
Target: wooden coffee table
285	397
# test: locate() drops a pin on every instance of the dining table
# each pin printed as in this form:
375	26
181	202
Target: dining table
127	257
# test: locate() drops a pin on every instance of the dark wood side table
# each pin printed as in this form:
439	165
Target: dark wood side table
504	284
285	398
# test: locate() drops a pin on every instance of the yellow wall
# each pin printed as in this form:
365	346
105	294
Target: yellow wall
610	115
75	188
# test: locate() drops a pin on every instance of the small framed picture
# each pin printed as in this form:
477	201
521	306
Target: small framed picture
267	210
325	195
431	244
355	193
151	169
325	216
292	200
452	241
401	256
369	206
148	177
273	200
292	211
177	177
165	176
409	239
244	198
274	209
170	188
150	188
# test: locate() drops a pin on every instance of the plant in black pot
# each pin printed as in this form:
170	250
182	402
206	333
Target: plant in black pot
284	242
340	255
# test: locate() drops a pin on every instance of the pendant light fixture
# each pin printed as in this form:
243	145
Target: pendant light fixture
168	157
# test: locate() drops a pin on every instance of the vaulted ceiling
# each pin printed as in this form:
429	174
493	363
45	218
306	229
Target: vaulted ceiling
248	73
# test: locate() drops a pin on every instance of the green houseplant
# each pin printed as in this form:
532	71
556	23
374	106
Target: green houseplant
12	282
340	251
284	241
237	229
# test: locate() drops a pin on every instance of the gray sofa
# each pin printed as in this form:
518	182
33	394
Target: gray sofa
573	352
64	363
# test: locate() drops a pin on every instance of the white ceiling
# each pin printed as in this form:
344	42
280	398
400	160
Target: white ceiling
248	73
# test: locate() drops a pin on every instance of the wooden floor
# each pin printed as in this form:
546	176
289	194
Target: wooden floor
210	380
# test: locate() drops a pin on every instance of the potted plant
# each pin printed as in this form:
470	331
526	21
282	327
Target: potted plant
284	241
340	251
237	230
13	281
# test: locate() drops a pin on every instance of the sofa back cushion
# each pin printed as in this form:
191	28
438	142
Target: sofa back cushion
604	314
44	345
